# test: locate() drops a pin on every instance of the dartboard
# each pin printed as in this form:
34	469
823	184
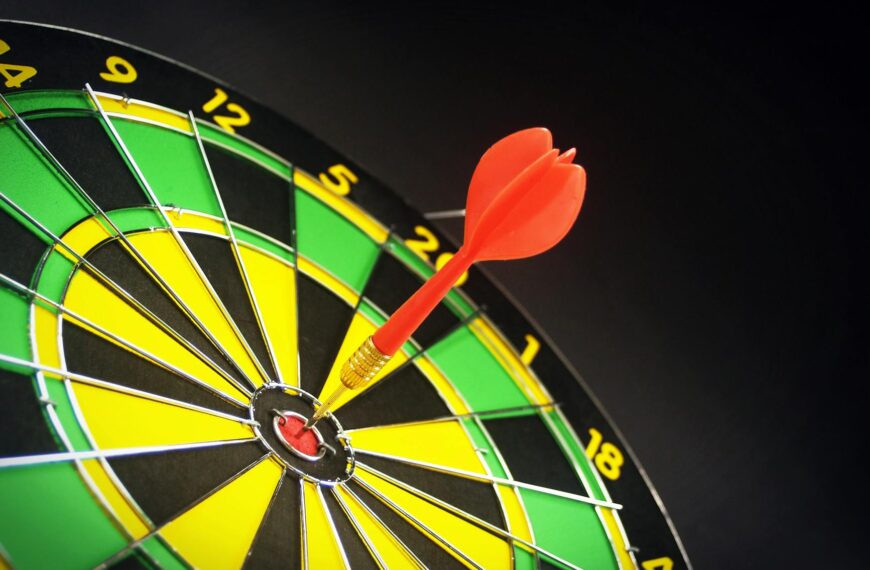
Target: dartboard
182	273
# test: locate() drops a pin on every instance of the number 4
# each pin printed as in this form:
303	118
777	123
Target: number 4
15	75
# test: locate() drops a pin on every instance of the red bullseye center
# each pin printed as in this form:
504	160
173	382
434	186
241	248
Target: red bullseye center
299	439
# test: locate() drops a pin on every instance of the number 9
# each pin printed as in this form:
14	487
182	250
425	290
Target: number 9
119	70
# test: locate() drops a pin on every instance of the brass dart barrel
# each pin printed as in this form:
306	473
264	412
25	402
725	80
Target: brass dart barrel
363	365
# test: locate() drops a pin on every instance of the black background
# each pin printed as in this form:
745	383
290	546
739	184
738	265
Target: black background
710	292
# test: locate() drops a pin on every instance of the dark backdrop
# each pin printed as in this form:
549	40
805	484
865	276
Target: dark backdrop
709	294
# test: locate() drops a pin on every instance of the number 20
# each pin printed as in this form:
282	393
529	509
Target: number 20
430	244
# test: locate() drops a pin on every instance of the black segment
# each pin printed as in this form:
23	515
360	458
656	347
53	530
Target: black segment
323	323
428	551
473	497
391	283
387	402
532	454
358	555
166	484
121	366
85	149
278	543
23	424
113	261
253	196
20	249
215	257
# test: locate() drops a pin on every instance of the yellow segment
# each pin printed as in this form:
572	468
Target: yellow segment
344	207
626	561
136	110
119	505
194	221
82	237
360	329
487	550
445	388
323	548
518	524
274	286
388	548
168	259
90	299
511	361
443	442
218	532
328	280
45	322
118	420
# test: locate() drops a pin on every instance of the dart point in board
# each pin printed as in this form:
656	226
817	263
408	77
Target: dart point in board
523	198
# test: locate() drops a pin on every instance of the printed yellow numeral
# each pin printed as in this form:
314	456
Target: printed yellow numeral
531	350
338	178
423	247
119	70
430	244
238	118
607	457
15	75
663	563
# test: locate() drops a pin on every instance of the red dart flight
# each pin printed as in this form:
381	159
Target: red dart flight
523	198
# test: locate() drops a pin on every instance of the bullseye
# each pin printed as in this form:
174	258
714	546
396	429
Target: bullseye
307	444
323	454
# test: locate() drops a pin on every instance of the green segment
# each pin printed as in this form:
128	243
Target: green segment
47	515
36	100
579	454
219	137
162	555
30	181
454	300
54	276
171	164
333	242
524	560
15	332
475	372
63	406
132	219
570	530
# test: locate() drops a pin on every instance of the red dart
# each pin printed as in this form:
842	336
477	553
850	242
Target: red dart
523	198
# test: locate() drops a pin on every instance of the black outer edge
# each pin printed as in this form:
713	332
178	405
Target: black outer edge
370	184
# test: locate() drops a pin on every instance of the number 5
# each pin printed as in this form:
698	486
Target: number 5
344	179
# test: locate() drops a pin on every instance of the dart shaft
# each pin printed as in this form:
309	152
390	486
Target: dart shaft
408	318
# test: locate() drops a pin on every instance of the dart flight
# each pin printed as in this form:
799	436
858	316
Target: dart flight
523	198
